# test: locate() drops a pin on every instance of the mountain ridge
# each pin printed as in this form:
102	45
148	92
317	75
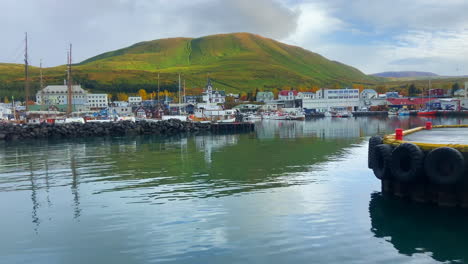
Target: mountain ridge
241	61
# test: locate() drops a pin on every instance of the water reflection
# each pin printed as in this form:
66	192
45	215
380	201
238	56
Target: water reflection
416	229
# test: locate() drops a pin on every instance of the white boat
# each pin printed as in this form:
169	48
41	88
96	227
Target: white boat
212	113
178	117
343	114
392	112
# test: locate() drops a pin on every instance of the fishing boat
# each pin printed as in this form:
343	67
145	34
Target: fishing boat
212	113
427	112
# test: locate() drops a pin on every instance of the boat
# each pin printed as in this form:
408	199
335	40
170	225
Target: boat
403	112
212	113
342	114
392	112
427	112
178	117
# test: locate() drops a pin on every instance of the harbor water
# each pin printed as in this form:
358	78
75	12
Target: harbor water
290	192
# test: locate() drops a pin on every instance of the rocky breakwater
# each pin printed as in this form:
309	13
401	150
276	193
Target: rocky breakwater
10	131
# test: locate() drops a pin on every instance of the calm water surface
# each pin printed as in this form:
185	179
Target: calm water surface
291	192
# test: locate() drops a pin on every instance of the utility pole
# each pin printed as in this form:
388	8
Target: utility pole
69	83
26	71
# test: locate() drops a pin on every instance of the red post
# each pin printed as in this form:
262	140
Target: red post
399	134
428	125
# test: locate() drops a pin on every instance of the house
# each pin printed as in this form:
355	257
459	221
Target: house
368	94
142	112
288	95
134	100
459	93
264	96
193	99
305	95
213	96
121	110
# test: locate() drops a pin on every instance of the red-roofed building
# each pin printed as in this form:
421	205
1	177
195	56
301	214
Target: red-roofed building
287	95
411	103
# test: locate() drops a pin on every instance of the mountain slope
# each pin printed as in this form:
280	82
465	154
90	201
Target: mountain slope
405	74
237	62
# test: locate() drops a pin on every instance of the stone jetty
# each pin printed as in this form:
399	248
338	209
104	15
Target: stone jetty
10	131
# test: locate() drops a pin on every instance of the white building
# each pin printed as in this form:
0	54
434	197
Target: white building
286	95
213	96
330	99
98	100
134	100
5	110
58	95
367	94
305	95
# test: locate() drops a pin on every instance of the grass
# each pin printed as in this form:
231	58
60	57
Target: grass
240	61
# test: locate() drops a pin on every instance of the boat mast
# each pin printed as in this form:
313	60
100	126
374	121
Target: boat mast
158	89
179	93
69	82
26	71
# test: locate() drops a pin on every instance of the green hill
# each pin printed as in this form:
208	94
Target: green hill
236	62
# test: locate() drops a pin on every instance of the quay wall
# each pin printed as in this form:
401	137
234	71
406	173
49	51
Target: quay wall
9	132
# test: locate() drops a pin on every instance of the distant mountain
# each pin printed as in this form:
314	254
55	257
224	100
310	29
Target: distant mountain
405	74
236	62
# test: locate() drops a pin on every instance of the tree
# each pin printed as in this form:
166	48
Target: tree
455	87
275	93
122	97
413	91
243	96
143	94
5	100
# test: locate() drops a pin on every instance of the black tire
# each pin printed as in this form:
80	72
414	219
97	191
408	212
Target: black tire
373	142
445	166
381	160
407	163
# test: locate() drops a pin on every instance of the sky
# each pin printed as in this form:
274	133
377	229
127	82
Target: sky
373	36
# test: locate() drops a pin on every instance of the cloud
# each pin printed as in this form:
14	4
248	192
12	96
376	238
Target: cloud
98	26
370	35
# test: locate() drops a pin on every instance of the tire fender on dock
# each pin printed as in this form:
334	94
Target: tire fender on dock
445	166
407	163
381	159
373	142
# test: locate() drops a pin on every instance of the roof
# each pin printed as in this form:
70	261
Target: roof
409	101
63	89
265	93
286	92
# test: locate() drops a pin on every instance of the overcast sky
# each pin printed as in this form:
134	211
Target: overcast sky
374	36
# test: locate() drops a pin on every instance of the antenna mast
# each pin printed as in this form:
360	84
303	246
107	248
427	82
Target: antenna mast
69	83
26	71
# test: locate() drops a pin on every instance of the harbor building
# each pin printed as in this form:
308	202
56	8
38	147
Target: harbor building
327	99
58	95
